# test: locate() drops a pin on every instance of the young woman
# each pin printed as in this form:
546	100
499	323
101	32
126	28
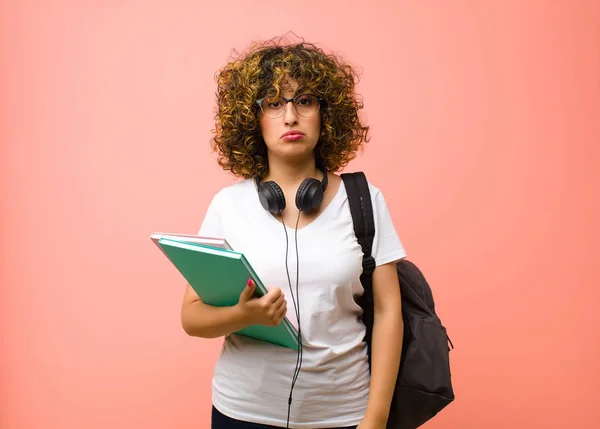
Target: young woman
287	121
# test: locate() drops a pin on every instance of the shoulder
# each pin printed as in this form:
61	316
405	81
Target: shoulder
374	190
233	193
224	203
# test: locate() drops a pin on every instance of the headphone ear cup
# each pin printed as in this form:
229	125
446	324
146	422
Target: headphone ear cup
271	197
309	195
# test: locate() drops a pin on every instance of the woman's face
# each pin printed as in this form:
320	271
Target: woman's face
291	136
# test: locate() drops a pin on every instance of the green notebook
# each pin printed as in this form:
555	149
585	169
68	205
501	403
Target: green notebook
218	276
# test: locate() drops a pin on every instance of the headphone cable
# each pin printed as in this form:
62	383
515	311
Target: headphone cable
296	303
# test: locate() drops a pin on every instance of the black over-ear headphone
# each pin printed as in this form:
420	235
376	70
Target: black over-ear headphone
308	197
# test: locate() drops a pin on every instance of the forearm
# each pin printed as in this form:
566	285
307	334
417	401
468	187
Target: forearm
202	320
386	349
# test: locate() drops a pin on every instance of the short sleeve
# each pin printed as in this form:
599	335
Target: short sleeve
387	246
211	224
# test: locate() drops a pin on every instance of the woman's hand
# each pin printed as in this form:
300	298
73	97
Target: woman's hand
268	310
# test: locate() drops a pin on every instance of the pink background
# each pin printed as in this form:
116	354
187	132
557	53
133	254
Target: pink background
486	142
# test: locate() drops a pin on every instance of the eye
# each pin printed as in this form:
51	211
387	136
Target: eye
305	100
273	103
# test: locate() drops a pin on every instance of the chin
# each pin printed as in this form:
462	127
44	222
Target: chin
295	152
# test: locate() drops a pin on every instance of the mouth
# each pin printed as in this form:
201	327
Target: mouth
292	135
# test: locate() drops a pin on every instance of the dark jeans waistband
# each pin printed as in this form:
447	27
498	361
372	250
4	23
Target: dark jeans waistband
221	421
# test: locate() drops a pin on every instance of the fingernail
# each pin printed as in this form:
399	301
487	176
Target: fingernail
249	282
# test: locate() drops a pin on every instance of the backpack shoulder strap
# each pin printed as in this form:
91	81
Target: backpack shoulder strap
361	209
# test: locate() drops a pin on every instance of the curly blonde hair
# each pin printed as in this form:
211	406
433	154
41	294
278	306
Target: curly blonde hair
262	71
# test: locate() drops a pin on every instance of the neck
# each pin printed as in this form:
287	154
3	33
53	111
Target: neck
291	174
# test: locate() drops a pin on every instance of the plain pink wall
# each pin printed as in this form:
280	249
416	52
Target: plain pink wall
485	123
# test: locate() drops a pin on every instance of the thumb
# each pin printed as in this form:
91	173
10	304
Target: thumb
248	291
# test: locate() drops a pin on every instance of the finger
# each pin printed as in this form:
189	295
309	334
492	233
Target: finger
248	291
283	311
280	300
281	304
273	309
281	314
274	295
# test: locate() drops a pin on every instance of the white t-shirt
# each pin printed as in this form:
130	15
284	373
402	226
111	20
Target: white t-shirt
252	379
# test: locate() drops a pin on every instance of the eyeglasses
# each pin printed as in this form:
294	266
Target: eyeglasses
306	105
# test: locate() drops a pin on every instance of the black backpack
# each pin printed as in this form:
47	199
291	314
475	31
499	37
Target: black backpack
423	386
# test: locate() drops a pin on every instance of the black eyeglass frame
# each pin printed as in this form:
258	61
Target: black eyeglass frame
287	100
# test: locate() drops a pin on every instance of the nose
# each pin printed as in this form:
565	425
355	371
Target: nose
290	115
